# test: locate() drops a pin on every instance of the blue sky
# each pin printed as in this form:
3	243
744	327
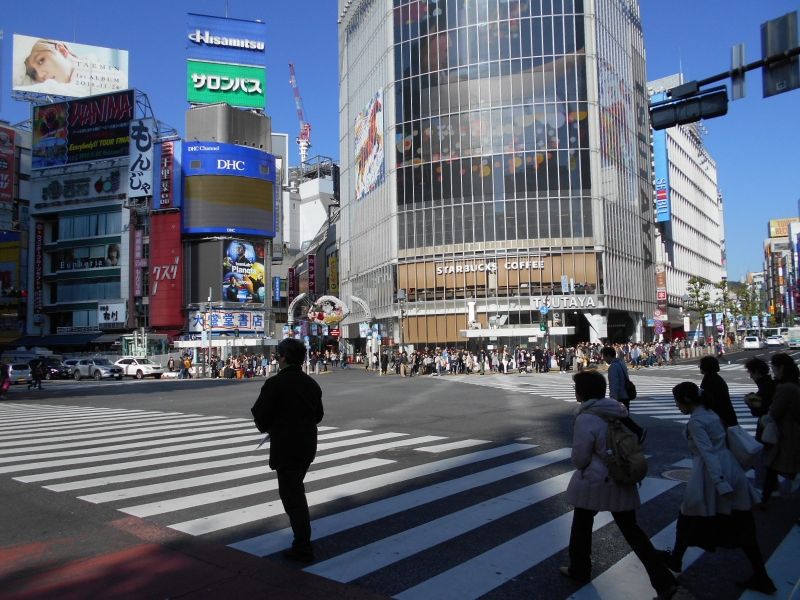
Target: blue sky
755	145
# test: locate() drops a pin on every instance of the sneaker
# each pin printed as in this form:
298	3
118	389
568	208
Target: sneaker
759	584
303	556
566	572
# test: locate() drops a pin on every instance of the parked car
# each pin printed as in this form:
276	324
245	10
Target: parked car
19	373
139	367
752	342
98	368
54	369
775	340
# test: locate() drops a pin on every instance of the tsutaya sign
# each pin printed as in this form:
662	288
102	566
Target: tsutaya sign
490	267
537	302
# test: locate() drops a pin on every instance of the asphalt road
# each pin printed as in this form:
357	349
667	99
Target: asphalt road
424	487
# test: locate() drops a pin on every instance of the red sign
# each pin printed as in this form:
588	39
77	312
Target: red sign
166	271
7	164
335	332
661	294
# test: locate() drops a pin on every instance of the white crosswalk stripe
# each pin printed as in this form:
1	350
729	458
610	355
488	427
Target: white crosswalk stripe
654	394
380	501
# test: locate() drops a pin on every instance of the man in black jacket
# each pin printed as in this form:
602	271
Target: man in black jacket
288	409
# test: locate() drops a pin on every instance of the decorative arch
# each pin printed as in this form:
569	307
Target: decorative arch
364	306
297	299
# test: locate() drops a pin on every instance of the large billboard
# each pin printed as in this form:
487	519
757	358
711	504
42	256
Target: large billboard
228	189
71	188
166	270
243	274
7	164
779	228
58	68
221	39
369	155
81	130
237	85
661	164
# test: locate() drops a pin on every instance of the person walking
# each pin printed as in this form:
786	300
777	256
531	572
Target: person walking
617	376
715	392
5	380
717	502
784	457
37	374
591	489
288	409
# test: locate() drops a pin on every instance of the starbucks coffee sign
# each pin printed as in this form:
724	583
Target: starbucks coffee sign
490	267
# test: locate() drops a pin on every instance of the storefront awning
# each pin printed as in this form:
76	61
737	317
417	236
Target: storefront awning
55	341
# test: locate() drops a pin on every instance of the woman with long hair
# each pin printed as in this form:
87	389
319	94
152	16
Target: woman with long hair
784	457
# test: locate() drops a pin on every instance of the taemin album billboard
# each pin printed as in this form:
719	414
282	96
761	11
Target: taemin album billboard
49	67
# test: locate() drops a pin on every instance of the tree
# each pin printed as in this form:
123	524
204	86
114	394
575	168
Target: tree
750	304
698	297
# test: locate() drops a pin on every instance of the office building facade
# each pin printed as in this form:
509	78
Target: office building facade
496	175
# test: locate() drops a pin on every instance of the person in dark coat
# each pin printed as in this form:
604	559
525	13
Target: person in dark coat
289	408
715	392
760	401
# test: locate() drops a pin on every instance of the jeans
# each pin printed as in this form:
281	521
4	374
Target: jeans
580	546
293	496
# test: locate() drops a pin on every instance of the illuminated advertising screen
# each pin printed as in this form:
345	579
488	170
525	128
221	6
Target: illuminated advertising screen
7	164
228	189
166	270
237	85
57	68
369	155
243	273
81	130
221	39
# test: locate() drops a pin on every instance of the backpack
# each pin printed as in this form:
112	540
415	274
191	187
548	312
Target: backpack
624	457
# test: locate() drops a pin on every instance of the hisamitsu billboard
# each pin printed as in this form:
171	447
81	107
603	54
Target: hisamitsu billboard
226	40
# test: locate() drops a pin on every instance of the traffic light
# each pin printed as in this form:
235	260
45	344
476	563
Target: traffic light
681	110
236	332
542	326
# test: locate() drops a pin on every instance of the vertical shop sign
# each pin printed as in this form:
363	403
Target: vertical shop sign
312	274
660	313
139	262
38	258
291	287
167	166
140	158
7	164
276	289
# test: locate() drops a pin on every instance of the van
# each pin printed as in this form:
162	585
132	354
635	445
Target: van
793	337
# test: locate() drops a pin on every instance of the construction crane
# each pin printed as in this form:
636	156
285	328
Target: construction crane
304	137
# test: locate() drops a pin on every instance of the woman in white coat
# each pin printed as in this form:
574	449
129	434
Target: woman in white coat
717	504
592	490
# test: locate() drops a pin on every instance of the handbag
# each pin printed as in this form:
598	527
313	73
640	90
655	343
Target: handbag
770	432
630	389
744	447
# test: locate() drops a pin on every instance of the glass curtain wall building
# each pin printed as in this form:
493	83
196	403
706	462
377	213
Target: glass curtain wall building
504	177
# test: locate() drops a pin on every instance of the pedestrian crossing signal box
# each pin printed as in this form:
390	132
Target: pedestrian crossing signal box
236	332
542	326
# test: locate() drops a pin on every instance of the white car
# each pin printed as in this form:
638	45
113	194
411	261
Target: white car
775	340
752	342
140	368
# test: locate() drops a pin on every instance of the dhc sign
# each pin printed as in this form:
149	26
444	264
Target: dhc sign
216	158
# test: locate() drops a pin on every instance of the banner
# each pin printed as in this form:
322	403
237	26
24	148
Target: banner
7	164
243	272
291	286
369	153
166	271
226	320
140	158
312	274
48	67
167	173
81	130
276	289
661	167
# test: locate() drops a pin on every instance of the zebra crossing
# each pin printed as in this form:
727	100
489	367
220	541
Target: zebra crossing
653	398
391	511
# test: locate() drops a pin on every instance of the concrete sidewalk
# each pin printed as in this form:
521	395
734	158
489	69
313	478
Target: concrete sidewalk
138	560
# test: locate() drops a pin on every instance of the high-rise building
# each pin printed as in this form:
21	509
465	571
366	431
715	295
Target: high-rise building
690	232
514	204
